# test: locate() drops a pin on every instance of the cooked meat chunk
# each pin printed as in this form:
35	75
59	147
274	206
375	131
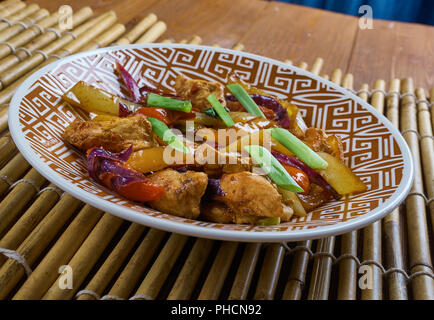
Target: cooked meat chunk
216	212
182	194
318	140
114	135
249	194
216	162
198	90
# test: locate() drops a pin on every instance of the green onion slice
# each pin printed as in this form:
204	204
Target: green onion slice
244	98
268	221
154	100
299	148
273	168
222	113
165	134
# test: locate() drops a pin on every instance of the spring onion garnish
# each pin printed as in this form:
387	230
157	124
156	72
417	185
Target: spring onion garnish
268	221
154	100
244	98
222	113
211	112
165	134
273	168
301	150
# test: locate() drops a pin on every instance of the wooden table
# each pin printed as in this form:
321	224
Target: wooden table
285	31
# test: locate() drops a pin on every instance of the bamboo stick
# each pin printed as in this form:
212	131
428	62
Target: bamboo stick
372	233
154	280
29	220
20	15
243	278
7	3
347	280
216	276
195	40
238	46
106	38
137	264
18	198
113	262
47	270
322	267
7	148
303	65
17	28
32	247
153	33
397	284
44	39
86	256
187	278
427	148
418	240
270	272
317	65
4	119
12	171
297	275
138	30
11	8
431	93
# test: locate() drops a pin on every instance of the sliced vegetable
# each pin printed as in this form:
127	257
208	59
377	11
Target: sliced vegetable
296	204
243	97
130	83
340	177
147	160
157	113
123	110
214	189
301	150
220	110
269	103
257	138
299	176
155	100
110	169
165	134
273	168
92	99
271	221
211	112
314	176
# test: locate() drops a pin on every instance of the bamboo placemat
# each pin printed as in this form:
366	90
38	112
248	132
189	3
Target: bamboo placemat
43	229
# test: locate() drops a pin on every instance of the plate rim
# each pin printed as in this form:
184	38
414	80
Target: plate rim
198	231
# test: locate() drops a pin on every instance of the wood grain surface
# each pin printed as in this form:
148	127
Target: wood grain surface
284	31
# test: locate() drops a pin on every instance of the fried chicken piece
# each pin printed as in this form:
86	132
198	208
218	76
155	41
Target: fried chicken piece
215	211
198	90
318	140
113	135
182	192
248	194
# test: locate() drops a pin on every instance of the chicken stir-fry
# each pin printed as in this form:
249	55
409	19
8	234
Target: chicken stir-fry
274	169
